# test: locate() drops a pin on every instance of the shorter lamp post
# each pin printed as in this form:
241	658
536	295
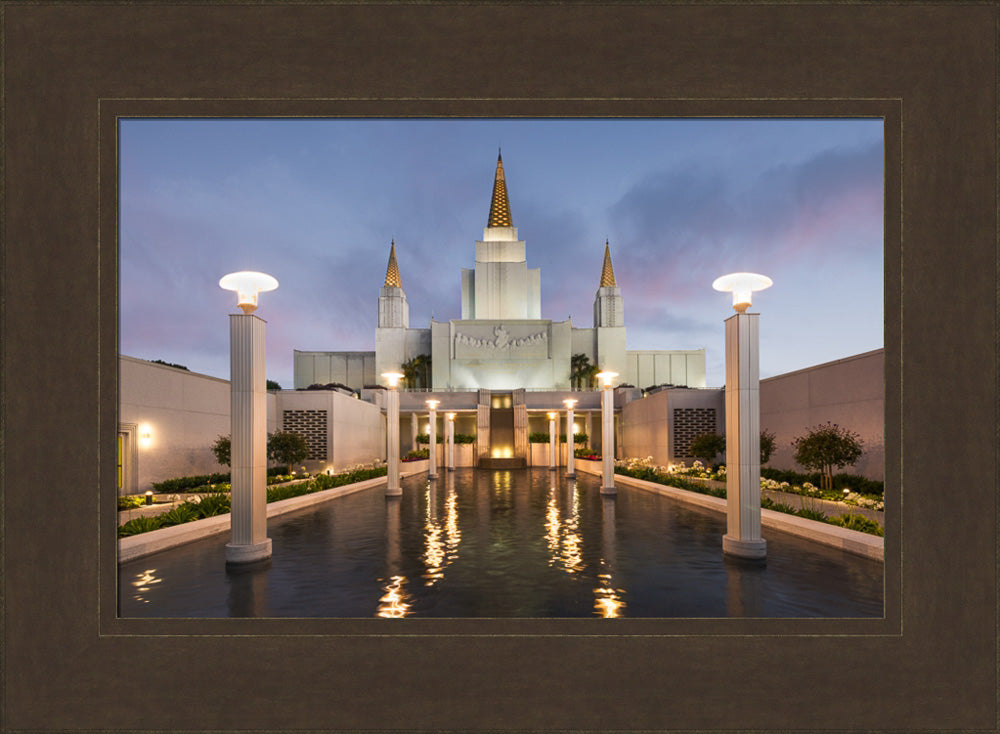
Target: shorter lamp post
248	420
451	442
392	488
742	536
608	432
553	441
570	443
432	432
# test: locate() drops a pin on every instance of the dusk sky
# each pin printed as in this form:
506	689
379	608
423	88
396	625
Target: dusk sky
316	202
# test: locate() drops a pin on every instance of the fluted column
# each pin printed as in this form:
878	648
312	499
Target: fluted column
608	440
248	436
432	434
392	487
570	445
553	442
743	438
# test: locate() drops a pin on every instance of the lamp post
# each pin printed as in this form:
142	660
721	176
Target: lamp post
248	420
742	536
608	432
553	441
451	442
570	443
392	488
432	431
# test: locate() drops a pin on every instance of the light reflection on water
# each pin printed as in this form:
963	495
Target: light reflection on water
477	543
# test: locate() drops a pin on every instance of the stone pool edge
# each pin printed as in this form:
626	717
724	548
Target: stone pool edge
138	546
851	541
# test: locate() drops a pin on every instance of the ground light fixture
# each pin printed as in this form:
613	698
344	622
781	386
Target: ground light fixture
248	420
742	286
608	432
742	377
248	284
432	433
570	438
392	488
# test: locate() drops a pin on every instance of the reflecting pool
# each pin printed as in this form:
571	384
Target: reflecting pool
521	543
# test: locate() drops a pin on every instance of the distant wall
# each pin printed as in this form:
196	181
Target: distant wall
849	392
354	369
184	412
181	412
340	430
662	425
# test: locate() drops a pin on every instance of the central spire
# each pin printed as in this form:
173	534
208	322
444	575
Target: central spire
392	270
499	206
608	272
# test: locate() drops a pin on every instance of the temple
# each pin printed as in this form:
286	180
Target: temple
501	342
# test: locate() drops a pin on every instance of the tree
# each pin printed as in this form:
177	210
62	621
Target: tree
222	448
582	372
286	447
824	448
272	385
707	446
767	445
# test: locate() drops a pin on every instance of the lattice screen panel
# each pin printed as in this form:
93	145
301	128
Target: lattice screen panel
311	425
690	423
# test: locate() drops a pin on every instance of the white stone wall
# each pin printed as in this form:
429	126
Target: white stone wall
648	423
661	367
354	369
849	392
183	413
354	426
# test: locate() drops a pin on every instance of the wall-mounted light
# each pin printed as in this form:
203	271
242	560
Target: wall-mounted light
742	285
145	436
247	284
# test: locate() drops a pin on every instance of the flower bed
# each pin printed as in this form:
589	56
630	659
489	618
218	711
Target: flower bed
219	503
675	476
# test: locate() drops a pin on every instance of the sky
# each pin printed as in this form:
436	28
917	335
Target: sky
316	202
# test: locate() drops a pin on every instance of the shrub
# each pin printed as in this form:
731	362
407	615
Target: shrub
707	446
538	437
767	445
286	447
215	504
585	453
129	502
222	448
826	447
184	512
580	438
858	522
186	484
465	438
417	455
426	438
139	525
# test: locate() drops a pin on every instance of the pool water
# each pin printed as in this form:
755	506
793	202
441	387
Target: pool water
520	543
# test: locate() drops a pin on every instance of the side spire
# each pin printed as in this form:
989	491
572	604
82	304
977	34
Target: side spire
392	270
499	206
608	272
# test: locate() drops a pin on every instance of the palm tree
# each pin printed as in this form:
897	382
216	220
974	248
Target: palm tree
580	370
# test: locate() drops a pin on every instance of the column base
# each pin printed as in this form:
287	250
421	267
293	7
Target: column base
248	553
393	491
571	475
451	468
609	490
755	549
432	475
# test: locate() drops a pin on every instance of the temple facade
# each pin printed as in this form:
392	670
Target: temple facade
501	342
